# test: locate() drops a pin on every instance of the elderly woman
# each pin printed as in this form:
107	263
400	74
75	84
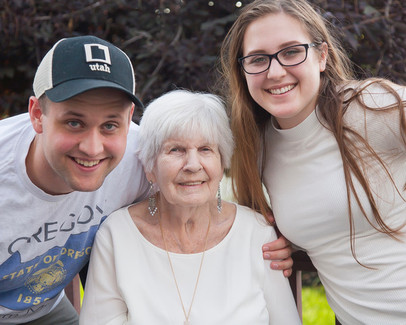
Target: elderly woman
184	256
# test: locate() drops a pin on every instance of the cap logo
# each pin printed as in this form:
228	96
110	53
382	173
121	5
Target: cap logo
98	53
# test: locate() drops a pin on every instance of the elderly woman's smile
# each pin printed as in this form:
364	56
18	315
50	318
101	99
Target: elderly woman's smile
188	171
191	183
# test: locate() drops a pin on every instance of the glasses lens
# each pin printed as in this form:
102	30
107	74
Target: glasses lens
292	55
256	63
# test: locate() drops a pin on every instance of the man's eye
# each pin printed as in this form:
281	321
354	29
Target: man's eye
109	127
74	124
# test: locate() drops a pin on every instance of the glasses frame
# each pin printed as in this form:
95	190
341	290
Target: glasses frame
275	56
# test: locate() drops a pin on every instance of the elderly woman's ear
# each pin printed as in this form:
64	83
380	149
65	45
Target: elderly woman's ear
150	176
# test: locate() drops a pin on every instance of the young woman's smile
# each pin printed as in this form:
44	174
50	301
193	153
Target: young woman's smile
288	93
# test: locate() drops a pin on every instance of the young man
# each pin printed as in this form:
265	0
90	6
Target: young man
64	167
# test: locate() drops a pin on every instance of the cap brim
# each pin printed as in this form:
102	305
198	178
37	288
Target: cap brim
75	87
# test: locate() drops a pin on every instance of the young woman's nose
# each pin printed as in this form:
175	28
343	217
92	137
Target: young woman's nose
276	70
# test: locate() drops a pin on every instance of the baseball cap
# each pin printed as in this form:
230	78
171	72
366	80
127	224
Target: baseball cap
77	64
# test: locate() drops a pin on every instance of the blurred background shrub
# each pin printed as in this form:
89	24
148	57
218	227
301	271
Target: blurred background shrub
176	43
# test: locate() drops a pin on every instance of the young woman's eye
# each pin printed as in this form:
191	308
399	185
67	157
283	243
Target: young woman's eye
258	59
291	52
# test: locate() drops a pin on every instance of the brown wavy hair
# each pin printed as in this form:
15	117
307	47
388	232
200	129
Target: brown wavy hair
338	90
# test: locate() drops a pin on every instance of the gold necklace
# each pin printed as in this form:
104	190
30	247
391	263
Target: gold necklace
187	322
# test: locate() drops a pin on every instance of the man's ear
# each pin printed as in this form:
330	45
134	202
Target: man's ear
34	109
131	113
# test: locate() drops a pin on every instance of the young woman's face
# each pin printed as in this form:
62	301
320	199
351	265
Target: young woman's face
288	93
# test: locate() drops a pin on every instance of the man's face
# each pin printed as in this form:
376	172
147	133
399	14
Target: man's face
79	141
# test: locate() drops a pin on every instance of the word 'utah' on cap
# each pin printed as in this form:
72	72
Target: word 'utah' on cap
77	64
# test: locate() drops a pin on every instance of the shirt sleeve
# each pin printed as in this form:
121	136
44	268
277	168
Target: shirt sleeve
102	303
277	292
380	126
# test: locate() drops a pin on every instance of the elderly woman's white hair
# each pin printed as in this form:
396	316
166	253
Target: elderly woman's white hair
182	113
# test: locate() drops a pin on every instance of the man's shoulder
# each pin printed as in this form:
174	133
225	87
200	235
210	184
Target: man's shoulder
132	137
14	122
130	156
134	128
11	127
15	132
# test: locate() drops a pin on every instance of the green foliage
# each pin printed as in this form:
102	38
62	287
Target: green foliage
175	43
315	308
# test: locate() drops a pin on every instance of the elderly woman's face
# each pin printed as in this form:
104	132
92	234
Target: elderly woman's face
188	171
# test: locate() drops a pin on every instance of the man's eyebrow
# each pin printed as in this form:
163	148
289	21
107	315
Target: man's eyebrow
81	115
74	113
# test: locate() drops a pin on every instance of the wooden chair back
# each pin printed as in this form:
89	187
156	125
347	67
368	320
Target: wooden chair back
301	262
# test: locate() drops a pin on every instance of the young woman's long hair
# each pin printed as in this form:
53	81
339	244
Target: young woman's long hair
248	119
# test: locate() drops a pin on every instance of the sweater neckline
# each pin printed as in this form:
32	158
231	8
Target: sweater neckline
179	255
302	131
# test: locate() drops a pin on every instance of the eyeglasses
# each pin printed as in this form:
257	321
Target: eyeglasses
287	57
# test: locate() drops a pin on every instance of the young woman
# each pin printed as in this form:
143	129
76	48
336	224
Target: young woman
329	149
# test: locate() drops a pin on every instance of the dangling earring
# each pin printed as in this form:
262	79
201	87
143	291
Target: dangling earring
219	200
152	202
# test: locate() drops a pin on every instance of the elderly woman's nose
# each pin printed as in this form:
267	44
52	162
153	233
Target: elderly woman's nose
192	161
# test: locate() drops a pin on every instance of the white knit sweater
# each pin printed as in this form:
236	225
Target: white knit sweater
305	180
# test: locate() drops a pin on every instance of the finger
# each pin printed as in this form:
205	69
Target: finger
285	264
287	273
271	219
279	254
279	243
